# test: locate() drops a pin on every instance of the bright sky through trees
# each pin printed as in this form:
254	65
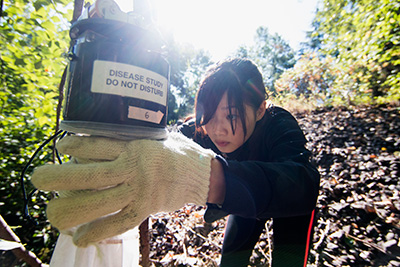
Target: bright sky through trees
220	26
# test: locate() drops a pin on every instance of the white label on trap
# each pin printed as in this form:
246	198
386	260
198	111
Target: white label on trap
126	80
145	114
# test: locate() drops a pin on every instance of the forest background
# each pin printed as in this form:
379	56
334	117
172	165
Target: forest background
351	58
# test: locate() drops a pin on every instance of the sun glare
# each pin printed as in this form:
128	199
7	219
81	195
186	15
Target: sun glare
204	24
221	26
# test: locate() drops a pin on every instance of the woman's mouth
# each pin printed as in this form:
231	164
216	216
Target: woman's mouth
222	143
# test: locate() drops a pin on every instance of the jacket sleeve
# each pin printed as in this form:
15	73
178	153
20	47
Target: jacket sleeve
285	184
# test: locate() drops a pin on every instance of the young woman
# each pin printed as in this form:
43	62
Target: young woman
266	171
248	160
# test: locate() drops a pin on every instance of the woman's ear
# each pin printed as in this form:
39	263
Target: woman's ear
261	110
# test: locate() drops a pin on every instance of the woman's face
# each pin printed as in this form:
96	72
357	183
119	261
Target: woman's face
219	127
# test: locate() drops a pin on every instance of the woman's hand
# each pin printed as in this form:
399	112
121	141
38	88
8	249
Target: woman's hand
121	183
216	194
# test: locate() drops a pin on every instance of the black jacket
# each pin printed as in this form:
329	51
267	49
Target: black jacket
270	176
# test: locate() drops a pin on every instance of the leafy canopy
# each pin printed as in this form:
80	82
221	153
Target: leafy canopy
33	42
272	54
365	37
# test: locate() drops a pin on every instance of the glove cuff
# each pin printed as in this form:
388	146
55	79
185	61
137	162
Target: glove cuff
193	168
198	169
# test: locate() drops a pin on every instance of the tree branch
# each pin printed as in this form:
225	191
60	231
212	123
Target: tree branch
21	253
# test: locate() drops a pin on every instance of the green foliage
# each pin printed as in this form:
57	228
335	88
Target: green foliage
197	63
311	75
271	53
32	44
322	80
187	66
365	38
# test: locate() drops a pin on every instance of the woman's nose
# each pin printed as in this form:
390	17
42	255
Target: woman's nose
219	127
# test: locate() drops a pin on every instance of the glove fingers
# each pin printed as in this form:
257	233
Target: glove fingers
91	147
84	207
108	227
78	176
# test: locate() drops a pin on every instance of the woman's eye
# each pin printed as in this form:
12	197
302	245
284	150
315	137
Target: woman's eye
231	117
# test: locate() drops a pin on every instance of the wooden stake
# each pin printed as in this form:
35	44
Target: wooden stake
144	243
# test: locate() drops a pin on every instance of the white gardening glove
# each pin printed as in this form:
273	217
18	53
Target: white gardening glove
131	180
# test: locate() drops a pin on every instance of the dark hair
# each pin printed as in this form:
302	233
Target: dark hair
242	81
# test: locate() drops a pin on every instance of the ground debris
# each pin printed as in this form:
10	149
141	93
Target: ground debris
358	212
